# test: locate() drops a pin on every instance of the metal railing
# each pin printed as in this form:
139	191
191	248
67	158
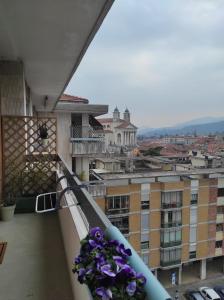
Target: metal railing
95	217
87	140
79	132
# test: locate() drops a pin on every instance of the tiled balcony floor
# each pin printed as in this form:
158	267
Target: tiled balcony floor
34	266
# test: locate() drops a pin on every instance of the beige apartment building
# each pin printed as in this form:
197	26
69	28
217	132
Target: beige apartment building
173	219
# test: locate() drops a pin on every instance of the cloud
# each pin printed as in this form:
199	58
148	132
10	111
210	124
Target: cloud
163	59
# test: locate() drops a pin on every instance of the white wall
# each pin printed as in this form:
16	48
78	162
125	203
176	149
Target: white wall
12	88
63	137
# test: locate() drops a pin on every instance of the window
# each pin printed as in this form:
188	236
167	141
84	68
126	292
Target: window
145	188
170	256
193	234
144	222
117	204
171	237
218	244
145	258
193	215
122	223
221	192
220	209
171	199
170	219
219	227
194	198
144	241
192	254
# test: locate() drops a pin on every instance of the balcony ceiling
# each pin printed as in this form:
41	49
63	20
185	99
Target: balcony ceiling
50	37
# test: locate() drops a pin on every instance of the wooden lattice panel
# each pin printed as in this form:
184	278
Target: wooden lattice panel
28	164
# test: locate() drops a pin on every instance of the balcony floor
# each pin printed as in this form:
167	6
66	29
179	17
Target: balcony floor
34	266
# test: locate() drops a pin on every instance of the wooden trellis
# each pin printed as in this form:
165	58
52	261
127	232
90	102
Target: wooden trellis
28	162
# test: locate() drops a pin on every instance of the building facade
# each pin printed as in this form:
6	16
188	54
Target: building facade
175	222
119	132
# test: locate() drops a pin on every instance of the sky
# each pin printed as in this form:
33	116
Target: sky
163	59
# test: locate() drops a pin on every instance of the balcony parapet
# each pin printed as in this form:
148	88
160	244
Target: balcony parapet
87	140
95	217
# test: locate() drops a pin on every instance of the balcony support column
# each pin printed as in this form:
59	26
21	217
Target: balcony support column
180	275
203	269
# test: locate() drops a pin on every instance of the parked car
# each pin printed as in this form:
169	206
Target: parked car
220	291
193	295
209	294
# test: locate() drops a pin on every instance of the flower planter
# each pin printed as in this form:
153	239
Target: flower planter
44	142
7	212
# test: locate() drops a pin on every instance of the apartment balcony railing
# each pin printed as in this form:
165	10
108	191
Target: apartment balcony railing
117	211
219	236
170	263
171	206
218	251
171	224
83	213
86	140
170	244
96	189
220	201
219	218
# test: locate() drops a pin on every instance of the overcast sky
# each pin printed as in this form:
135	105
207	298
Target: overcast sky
163	59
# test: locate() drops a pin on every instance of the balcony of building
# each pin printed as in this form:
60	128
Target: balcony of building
96	189
219	235
220	201
87	140
219	218
48	243
34	264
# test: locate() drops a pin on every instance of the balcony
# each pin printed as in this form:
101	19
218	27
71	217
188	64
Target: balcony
171	224
47	243
220	201
170	244
219	218
87	141
170	263
219	236
171	206
96	189
34	265
218	251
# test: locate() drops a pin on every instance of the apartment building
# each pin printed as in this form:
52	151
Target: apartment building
173	219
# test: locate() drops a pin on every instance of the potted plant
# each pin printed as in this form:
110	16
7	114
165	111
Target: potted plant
103	266
7	208
43	134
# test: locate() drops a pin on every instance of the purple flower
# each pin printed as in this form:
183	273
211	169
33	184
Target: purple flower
121	250
113	243
81	275
131	288
78	260
106	294
119	261
96	233
106	269
141	278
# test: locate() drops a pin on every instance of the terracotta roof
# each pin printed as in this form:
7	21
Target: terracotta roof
75	99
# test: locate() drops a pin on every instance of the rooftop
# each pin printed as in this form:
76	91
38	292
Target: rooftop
210	172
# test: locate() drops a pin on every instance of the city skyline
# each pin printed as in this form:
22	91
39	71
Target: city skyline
164	61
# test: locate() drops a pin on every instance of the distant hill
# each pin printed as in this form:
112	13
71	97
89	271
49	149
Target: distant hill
199	129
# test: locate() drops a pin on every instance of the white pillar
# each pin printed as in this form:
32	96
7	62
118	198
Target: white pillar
203	269
180	275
